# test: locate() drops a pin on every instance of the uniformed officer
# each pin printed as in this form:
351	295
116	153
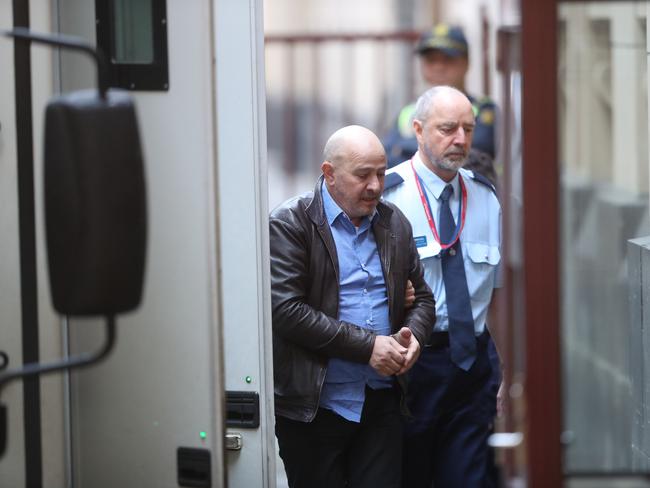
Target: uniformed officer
456	221
444	60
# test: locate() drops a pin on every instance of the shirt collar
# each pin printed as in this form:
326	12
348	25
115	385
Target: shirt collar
432	181
332	209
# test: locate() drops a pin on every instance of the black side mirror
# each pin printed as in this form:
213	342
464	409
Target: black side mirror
95	208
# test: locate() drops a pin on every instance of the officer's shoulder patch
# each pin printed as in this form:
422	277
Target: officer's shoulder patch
486	116
479	178
392	180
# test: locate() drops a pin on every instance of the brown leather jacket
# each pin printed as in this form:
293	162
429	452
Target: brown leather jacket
305	298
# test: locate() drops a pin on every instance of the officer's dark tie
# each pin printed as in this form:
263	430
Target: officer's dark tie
462	343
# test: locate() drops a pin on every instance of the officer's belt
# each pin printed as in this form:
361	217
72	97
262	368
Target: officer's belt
440	339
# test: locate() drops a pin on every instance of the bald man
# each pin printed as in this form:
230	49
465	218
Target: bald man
342	338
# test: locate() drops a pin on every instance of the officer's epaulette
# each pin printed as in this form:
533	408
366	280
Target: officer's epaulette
392	180
478	177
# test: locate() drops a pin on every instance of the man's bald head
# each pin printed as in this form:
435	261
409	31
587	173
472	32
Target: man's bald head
354	167
351	141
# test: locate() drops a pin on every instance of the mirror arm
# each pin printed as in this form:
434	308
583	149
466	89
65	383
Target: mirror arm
69	42
34	369
84	359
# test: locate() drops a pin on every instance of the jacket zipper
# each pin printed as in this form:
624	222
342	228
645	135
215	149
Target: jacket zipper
322	234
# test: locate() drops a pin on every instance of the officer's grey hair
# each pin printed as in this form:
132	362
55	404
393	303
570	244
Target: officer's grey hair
426	101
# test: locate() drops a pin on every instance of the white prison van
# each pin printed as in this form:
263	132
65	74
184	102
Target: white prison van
185	397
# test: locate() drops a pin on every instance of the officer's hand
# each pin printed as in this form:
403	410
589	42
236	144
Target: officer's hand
406	339
387	356
409	297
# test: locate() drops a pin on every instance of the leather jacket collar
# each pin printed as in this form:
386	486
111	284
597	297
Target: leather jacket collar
316	211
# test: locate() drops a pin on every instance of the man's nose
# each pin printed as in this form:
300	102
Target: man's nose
460	137
374	184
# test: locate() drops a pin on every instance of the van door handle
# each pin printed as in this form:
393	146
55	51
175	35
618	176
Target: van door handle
234	442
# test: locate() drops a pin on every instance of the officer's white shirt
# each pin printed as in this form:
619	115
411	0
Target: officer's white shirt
480	238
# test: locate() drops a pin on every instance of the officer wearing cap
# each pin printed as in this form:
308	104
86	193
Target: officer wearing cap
444	60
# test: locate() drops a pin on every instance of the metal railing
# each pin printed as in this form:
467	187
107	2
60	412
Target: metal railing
317	83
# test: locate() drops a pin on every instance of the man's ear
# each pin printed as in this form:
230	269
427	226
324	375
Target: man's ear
328	171
417	129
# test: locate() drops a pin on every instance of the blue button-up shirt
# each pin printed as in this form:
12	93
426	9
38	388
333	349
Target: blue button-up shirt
362	301
480	239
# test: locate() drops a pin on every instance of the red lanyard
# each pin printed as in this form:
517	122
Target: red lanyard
427	209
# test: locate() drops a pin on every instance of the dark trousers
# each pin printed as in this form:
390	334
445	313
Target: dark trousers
332	452
445	443
493	479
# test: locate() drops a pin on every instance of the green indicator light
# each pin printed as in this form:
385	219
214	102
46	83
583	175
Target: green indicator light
248	379
203	435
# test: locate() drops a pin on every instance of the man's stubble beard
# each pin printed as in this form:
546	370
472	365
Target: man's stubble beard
444	163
